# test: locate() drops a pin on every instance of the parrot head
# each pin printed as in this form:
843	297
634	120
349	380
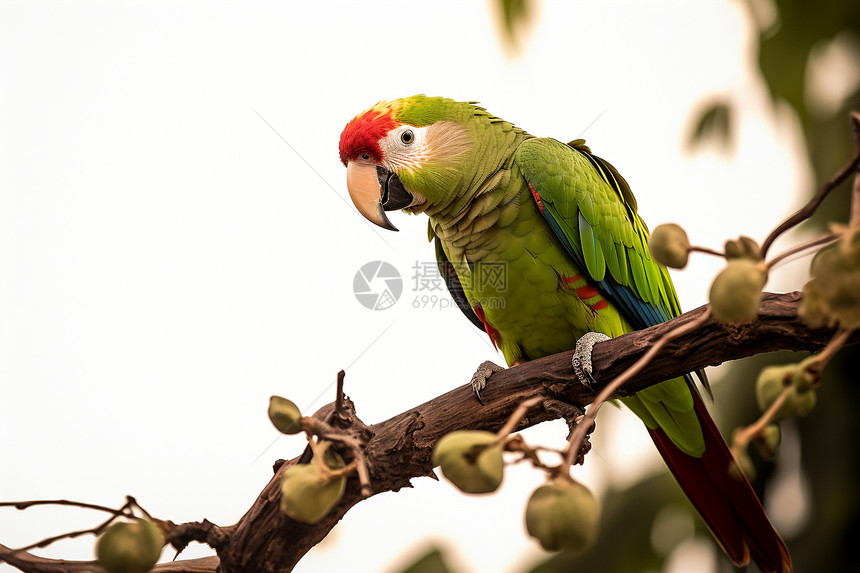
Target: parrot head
411	153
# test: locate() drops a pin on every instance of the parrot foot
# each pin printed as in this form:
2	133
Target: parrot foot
481	375
581	360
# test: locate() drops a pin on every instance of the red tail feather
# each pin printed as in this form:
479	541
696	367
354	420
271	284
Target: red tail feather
727	504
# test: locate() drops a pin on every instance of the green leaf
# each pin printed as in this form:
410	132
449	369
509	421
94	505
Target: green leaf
515	15
715	124
432	562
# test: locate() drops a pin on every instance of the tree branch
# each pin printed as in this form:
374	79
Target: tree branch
399	449
30	563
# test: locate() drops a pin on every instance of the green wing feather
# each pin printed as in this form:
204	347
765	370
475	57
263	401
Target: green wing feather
593	213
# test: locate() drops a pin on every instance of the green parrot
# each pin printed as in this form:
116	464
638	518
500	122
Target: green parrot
540	244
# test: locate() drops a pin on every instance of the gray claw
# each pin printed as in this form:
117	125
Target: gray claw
478	396
480	377
581	360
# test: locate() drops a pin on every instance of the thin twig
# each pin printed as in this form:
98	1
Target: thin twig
808	209
70	535
27	504
125	511
514	419
338	401
319	428
854	221
584	425
838	341
131	502
744	435
25	561
707	251
802	247
530	453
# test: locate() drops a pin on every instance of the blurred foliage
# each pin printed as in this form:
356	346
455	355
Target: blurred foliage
826	540
715	124
632	511
791	47
809	58
515	17
431	562
798	42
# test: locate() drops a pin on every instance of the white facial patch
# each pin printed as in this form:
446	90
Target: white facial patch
405	148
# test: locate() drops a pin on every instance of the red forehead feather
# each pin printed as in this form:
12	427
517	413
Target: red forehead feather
362	135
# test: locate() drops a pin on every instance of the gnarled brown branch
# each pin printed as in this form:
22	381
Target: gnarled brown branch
399	449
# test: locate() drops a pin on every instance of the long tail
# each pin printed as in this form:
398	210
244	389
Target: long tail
727	504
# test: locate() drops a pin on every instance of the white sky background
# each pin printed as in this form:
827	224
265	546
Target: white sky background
168	262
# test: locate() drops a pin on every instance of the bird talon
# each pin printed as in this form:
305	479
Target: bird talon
480	377
581	360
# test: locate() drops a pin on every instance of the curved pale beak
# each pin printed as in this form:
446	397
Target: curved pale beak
375	190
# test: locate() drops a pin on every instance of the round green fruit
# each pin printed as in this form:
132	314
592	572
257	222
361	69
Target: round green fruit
563	515
285	415
742	248
670	246
130	547
308	497
736	291
469	461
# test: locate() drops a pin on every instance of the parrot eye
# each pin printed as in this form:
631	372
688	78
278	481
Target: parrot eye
407	137
365	156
